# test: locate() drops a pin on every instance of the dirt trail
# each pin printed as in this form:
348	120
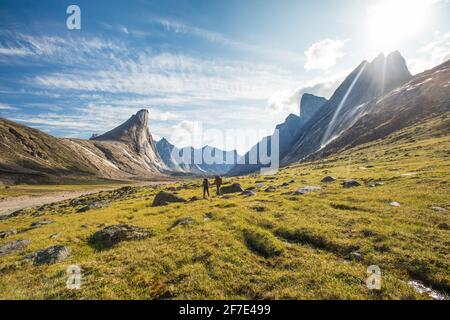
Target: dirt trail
10	205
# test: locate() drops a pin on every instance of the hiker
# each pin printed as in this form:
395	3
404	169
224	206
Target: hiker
205	188
218	182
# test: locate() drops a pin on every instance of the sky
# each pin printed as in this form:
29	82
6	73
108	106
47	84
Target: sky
221	68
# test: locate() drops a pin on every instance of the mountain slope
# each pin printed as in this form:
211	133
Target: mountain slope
127	152
288	130
204	161
425	97
366	83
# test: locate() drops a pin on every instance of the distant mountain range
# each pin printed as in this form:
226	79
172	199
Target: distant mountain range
205	161
375	100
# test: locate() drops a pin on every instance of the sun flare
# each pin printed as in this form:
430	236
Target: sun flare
391	22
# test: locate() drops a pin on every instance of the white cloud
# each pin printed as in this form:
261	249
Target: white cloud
324	54
287	101
187	133
432	54
4	106
6	51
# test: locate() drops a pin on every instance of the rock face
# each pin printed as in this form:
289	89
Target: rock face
164	198
234	188
13	246
207	160
49	255
112	235
29	155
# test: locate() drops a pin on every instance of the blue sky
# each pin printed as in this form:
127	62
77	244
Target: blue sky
198	64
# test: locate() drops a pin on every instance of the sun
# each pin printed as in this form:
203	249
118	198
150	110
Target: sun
392	22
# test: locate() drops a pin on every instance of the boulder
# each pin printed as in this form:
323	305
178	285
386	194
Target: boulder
328	179
112	235
351	184
306	190
234	188
49	255
164	198
248	193
13	246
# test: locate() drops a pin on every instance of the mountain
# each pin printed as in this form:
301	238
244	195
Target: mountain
126	152
366	83
287	131
205	161
423	99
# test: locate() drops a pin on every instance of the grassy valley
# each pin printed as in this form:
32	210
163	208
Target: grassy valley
272	245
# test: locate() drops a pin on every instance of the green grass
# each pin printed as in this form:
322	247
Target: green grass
270	246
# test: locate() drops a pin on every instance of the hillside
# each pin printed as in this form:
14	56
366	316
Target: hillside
271	245
30	156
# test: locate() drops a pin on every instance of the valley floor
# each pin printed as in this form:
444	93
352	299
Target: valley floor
273	245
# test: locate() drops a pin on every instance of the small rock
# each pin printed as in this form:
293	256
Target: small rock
92	206
438	209
110	236
351	184
248	193
164	198
356	256
394	204
186	221
328	179
49	255
270	189
443	226
13	246
209	215
234	188
194	198
41	223
260	185
306	190
259	209
376	184
7	233
227	197
251	189
284	185
55	235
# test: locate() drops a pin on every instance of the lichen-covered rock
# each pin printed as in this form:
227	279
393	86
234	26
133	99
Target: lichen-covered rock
13	246
234	188
40	223
164	198
110	236
351	184
49	255
328	179
306	190
185	221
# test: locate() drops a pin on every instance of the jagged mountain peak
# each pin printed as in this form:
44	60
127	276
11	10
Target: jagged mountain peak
135	128
309	105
